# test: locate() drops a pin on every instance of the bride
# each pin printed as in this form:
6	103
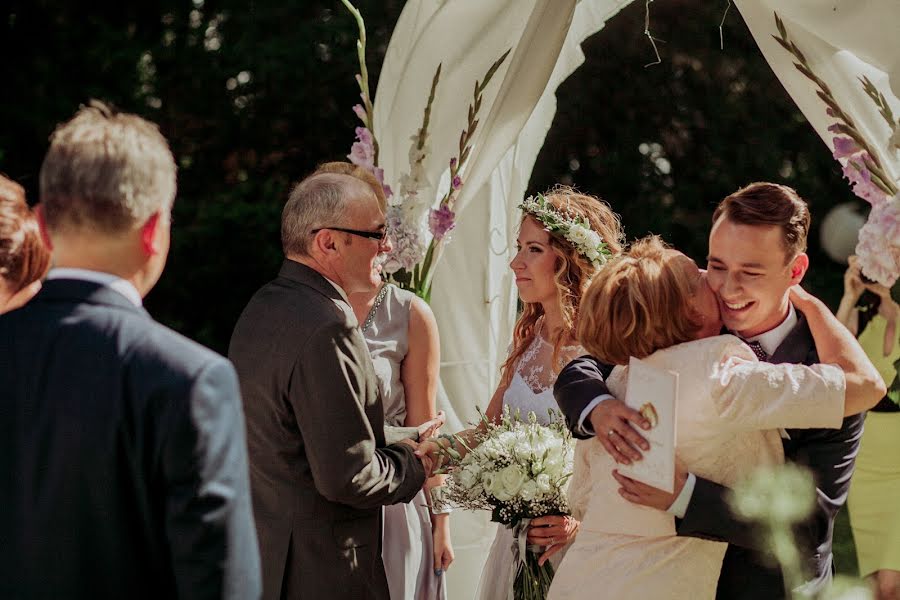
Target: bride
730	408
563	239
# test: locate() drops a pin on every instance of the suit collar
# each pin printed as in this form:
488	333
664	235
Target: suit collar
302	274
797	344
90	292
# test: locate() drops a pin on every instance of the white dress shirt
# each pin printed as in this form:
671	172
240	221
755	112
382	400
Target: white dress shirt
114	282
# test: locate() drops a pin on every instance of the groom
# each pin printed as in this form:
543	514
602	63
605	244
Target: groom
756	254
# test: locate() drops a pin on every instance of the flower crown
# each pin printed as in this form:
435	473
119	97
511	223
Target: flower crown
576	230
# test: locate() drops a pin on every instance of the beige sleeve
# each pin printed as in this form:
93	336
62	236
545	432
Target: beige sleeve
753	395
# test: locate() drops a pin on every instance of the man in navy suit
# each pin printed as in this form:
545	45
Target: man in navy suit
756	254
122	448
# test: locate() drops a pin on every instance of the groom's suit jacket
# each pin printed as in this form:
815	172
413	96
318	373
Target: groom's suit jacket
747	571
123	462
319	465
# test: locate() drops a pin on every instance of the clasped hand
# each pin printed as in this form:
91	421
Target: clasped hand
553	532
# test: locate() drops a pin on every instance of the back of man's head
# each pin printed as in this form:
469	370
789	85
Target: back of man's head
766	204
106	172
321	200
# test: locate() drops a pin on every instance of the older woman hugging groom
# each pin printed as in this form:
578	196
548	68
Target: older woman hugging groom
738	387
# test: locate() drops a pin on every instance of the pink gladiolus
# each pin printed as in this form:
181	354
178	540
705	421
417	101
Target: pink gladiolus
453	163
457	182
362	152
845	147
861	181
440	222
360	112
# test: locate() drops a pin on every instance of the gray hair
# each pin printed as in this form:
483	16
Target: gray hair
320	200
107	171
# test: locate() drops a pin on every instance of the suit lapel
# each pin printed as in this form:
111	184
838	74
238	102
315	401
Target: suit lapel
797	347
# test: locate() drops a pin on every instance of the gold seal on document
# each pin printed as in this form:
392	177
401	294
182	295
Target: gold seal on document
648	411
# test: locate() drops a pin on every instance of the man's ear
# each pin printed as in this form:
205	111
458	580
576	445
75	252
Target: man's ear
799	267
324	242
42	226
149	231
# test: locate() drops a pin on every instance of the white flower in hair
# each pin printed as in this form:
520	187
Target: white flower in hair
576	230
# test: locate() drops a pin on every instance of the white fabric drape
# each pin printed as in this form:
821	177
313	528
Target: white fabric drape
473	296
843	40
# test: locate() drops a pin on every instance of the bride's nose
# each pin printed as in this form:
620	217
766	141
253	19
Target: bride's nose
516	264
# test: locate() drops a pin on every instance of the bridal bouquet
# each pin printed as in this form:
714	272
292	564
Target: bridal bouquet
518	470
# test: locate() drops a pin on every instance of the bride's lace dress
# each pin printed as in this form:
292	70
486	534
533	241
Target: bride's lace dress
531	389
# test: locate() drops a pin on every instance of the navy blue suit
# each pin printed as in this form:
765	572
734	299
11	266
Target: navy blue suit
123	462
748	572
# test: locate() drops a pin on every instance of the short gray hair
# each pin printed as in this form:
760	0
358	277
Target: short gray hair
106	170
320	200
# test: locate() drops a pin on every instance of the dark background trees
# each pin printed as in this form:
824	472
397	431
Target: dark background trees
252	95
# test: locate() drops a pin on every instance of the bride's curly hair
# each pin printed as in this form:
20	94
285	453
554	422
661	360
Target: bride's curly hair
573	272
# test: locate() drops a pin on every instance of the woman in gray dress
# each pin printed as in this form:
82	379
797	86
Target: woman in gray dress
402	336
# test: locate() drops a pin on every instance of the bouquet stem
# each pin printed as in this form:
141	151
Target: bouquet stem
532	580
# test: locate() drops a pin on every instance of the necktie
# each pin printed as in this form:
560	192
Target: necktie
758	351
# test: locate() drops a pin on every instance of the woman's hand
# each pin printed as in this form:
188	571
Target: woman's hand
853	283
554	532
801	298
443	549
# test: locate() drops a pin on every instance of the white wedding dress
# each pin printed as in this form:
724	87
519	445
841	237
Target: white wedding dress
530	390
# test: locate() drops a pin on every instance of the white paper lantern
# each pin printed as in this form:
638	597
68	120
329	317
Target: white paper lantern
840	231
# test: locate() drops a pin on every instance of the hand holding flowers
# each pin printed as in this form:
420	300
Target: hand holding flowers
519	471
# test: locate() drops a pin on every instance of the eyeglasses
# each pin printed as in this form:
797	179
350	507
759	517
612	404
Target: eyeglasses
379	235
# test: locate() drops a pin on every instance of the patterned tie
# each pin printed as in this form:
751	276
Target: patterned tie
758	351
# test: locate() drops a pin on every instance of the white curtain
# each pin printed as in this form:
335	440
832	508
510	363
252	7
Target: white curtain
473	295
842	40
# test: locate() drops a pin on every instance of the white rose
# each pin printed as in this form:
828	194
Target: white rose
512	479
529	491
468	477
593	238
489	481
578	235
543	483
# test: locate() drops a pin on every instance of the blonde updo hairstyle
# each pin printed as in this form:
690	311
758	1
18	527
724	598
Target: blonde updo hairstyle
573	271
639	303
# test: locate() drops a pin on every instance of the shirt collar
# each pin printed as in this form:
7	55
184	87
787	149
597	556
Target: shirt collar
339	289
771	339
114	282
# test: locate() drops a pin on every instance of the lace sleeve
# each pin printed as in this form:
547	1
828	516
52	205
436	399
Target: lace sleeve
753	395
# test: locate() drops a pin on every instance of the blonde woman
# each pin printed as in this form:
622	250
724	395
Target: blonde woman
653	303
563	240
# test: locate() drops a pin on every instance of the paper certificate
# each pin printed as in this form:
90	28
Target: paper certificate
654	393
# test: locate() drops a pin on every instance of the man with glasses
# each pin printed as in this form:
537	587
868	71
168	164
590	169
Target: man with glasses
320	466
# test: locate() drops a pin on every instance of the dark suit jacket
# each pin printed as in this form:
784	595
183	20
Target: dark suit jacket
748	572
122	454
319	465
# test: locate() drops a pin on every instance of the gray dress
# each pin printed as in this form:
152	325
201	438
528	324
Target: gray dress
407	547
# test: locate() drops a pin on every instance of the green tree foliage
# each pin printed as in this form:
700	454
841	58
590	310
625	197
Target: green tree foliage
252	95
